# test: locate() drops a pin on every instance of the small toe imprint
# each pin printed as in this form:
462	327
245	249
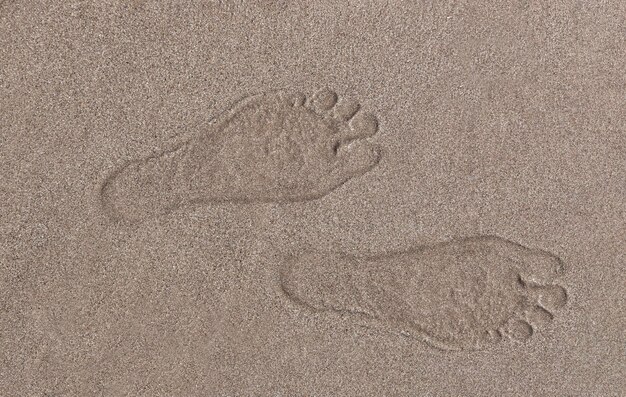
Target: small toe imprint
323	100
551	297
519	330
295	99
539	316
346	109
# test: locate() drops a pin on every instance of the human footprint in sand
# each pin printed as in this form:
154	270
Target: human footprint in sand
465	294
273	147
282	147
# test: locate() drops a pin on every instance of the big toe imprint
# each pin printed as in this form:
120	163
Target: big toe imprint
464	294
278	146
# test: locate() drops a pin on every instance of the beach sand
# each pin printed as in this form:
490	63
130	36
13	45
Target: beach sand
281	198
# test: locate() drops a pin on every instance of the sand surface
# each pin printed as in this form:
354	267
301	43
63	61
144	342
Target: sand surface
313	198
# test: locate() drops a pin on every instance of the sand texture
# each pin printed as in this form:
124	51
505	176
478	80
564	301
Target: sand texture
312	198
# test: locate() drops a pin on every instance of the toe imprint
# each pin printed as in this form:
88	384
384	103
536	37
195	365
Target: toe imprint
323	100
519	330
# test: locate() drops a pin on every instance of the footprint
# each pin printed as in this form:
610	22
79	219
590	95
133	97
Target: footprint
273	147
465	294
